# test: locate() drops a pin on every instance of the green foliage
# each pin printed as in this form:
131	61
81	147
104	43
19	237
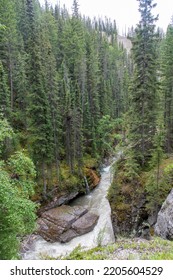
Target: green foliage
16	215
124	249
159	187
167	86
4	92
64	87
17	212
100	237
162	256
143	99
22	167
69	181
5	130
59	76
106	136
2	26
80	253
8	240
155	186
131	167
6	133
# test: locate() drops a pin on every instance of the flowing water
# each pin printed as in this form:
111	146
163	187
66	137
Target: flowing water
102	234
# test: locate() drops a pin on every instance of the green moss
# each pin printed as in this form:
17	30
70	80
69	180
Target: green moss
66	180
159	182
128	191
90	162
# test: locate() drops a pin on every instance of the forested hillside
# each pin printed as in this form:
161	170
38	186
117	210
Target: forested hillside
62	85
63	82
143	176
69	93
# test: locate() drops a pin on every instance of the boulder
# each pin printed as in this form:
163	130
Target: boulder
68	235
85	223
57	200
164	224
65	222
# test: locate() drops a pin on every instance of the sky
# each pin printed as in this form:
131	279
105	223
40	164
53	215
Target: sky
125	12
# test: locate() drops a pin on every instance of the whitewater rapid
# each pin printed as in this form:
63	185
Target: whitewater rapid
96	202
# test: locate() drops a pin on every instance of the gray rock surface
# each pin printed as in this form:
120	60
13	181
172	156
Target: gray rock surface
65	222
164	224
58	200
85	223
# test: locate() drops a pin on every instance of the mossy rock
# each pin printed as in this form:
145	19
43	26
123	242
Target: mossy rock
127	200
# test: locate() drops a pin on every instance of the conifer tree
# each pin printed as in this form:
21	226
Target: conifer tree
75	9
4	93
51	81
167	86
92	108
8	43
38	111
144	89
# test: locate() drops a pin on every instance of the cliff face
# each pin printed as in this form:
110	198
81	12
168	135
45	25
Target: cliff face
127	44
164	225
57	198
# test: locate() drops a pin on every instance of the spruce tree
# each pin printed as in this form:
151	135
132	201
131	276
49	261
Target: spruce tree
167	86
8	43
92	108
144	85
51	81
4	93
38	111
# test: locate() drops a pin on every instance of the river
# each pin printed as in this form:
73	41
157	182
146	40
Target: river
102	234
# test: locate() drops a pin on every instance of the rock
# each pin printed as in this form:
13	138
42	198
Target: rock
85	224
128	209
144	231
127	44
65	222
68	235
152	219
93	178
58	200
164	225
27	242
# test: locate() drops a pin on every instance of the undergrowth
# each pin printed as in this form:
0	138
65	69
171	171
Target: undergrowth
124	249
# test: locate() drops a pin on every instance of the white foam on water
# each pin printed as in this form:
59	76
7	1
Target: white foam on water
95	202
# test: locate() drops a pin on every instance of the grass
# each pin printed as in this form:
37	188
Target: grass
125	249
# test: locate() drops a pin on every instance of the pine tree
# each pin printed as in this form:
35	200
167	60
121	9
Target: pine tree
51	81
92	108
144	89
8	43
38	110
73	77
167	86
75	9
4	93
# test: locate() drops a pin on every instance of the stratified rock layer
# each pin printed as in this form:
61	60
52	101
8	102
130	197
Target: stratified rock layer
65	222
58	200
164	225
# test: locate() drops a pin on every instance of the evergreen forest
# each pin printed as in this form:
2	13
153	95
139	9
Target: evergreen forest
71	96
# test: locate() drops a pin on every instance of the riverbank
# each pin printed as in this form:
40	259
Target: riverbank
125	249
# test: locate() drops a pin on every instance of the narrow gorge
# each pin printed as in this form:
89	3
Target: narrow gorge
102	234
